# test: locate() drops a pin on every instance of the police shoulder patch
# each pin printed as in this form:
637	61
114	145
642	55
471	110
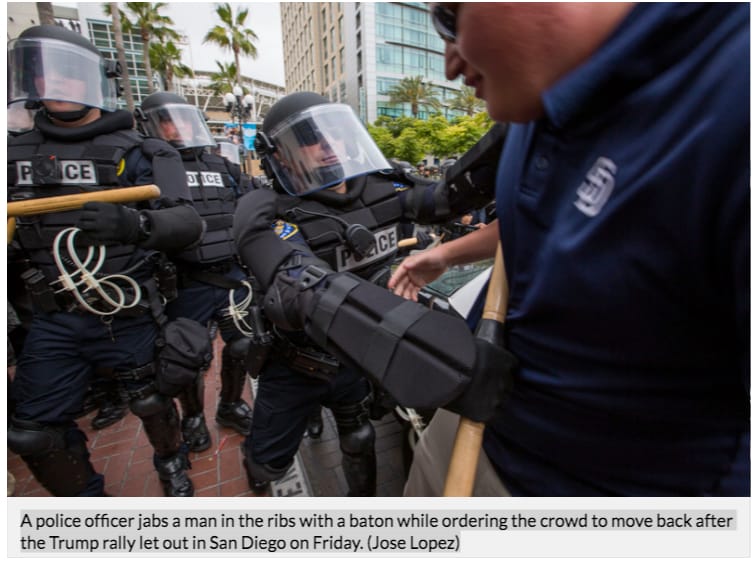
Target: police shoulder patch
398	187
285	230
121	167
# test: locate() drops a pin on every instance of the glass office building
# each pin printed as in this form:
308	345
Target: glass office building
354	52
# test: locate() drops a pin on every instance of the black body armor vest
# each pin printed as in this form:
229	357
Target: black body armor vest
42	167
371	201
214	199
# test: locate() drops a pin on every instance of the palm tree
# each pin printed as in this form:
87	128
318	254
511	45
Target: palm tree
416	92
118	32
466	101
45	13
165	58
233	35
224	79
146	17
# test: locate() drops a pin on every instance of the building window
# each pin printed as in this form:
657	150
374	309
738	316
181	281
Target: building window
324	47
333	69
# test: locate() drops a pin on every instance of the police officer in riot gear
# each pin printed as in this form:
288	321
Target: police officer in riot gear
308	147
335	230
209	274
91	272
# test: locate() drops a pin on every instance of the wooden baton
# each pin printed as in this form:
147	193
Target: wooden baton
468	444
62	203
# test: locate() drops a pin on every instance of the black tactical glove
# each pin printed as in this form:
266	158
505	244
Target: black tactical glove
492	379
423	239
109	222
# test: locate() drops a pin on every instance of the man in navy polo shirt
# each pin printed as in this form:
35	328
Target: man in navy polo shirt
624	212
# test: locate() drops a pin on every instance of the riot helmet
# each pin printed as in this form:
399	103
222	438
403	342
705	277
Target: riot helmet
60	69
170	117
308	144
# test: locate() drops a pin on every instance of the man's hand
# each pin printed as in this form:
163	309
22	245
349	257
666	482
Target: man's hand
416	271
109	222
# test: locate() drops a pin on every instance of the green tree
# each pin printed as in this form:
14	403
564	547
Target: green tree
383	138
115	15
416	92
466	101
146	17
223	80
432	132
233	35
409	146
395	125
165	58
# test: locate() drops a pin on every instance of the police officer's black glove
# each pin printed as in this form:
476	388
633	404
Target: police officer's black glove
423	239
109	222
492	379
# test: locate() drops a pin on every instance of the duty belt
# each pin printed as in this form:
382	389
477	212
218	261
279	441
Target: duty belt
306	360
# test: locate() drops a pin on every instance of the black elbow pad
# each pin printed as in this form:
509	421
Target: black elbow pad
173	229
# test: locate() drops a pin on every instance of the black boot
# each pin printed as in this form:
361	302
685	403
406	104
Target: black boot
193	425
314	424
173	476
160	420
233	412
356	437
113	406
259	476
195	433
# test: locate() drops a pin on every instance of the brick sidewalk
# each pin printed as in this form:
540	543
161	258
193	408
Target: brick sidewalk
122	453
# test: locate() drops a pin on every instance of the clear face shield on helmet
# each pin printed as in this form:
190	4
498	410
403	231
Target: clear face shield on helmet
43	69
321	147
180	124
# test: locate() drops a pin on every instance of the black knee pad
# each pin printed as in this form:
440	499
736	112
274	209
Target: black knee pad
148	405
30	437
237	349
351	416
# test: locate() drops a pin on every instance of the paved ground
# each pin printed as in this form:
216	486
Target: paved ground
124	455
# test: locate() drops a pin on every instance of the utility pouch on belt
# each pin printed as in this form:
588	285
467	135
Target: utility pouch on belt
39	291
262	342
307	360
184	350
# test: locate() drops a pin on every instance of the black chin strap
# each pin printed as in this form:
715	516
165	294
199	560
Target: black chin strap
70	116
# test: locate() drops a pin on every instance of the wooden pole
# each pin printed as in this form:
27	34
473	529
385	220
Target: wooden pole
62	203
468	444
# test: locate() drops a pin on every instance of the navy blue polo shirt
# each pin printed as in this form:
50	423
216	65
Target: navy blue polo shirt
625	221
